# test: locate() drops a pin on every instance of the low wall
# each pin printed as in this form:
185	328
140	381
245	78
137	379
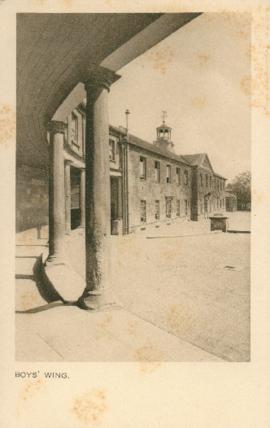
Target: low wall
32	198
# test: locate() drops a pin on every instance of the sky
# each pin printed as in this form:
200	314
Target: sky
201	76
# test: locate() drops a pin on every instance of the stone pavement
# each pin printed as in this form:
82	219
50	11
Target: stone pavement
54	332
184	294
66	333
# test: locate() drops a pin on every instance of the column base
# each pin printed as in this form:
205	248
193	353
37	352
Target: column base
98	301
56	259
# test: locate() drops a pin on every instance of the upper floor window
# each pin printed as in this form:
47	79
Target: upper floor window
210	182
168	174
178	175
74	129
112	146
157	171
206	180
142	168
186	177
201	179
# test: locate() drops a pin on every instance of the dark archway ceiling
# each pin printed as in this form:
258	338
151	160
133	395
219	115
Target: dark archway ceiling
52	50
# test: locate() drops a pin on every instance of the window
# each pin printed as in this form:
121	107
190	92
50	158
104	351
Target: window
210	182
201	179
178	207
168	207
186	207
157	210
74	129
112	147
206	180
143	211
178	175
186	177
168	174
157	172
142	168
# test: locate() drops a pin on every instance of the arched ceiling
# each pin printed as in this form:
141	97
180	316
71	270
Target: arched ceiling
52	51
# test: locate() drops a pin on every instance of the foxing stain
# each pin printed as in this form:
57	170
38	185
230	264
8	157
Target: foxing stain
90	407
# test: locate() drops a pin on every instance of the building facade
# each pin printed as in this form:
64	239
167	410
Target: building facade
149	183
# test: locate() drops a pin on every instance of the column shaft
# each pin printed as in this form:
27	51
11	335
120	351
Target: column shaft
82	198
97	188
56	192
67	196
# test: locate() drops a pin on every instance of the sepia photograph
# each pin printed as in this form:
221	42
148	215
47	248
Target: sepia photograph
133	187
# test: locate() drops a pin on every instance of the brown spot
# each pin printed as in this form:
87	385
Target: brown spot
29	299
103	327
7	123
149	358
131	328
67	3
203	58
199	102
180	318
31	389
90	407
245	85
161	58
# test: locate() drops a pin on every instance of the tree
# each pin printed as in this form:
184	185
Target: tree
241	187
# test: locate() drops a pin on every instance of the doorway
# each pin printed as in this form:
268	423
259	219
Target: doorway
75	195
116	205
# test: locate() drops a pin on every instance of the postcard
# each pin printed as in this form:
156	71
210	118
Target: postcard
135	214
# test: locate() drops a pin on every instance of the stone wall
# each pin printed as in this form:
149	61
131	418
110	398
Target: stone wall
32	198
151	191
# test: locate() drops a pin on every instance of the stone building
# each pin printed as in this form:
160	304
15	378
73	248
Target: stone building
65	178
149	183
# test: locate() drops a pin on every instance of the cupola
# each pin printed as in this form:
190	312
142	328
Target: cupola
164	132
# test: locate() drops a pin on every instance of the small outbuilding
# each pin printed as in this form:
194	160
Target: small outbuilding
231	201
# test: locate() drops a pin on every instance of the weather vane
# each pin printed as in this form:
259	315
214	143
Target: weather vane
163	116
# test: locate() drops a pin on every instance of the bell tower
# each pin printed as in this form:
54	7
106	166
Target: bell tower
163	140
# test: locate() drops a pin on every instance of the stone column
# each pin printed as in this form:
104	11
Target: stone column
56	190
67	196
82	198
97	188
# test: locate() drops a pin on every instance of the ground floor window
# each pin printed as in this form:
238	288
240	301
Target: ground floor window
186	207
168	207
157	210
178	208
143	211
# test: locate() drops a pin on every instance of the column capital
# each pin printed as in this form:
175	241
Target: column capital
96	76
56	127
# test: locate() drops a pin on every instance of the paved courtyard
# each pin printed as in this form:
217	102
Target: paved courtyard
187	281
184	293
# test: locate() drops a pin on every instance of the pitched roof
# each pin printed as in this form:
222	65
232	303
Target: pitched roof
191	160
220	176
195	159
139	142
151	147
230	195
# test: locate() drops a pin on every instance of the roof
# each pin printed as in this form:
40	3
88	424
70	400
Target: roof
138	142
230	195
220	176
195	159
190	160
